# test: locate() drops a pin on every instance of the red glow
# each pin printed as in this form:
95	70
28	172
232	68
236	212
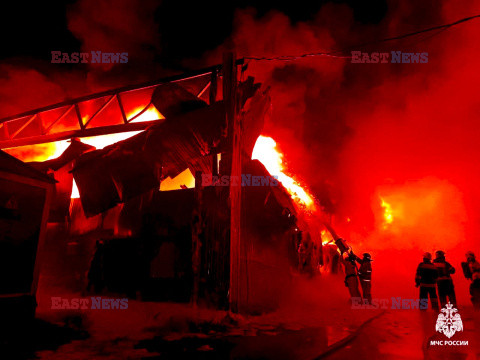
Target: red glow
428	213
40	152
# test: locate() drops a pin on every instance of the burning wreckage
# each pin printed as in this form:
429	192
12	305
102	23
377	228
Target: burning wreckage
127	192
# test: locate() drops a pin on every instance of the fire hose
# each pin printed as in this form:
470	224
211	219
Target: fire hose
342	245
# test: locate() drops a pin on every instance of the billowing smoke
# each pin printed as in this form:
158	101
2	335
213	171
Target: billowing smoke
115	26
360	133
22	88
351	130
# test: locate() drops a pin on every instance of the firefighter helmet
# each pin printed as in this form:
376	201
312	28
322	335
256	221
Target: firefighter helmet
367	256
427	255
439	253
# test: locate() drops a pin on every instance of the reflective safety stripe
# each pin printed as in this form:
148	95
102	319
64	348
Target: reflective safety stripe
366	280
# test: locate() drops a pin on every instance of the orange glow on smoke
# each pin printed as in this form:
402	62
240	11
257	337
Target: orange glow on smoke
428	213
266	152
387	213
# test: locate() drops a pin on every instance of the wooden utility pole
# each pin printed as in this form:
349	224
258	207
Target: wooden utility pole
213	87
234	137
197	231
212	100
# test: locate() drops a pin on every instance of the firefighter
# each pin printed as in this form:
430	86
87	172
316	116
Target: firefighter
351	277
365	276
426	279
471	270
302	257
444	281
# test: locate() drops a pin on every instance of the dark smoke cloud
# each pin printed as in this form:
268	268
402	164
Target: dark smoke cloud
116	26
107	26
22	88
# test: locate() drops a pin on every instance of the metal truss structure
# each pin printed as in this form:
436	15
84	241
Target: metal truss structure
114	111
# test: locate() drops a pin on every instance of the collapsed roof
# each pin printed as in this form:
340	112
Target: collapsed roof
189	129
191	132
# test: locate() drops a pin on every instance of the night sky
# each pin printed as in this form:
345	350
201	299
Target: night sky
187	28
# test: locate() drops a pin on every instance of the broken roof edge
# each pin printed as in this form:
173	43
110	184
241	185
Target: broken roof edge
11	165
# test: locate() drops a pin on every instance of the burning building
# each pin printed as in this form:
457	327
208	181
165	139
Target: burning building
130	168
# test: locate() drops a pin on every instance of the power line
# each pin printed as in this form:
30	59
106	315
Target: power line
440	27
334	53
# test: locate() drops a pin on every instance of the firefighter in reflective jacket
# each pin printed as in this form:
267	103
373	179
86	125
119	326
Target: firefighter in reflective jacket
444	281
471	270
426	278
351	278
365	276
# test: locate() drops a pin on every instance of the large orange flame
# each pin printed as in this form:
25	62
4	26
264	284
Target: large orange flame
387	213
265	150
